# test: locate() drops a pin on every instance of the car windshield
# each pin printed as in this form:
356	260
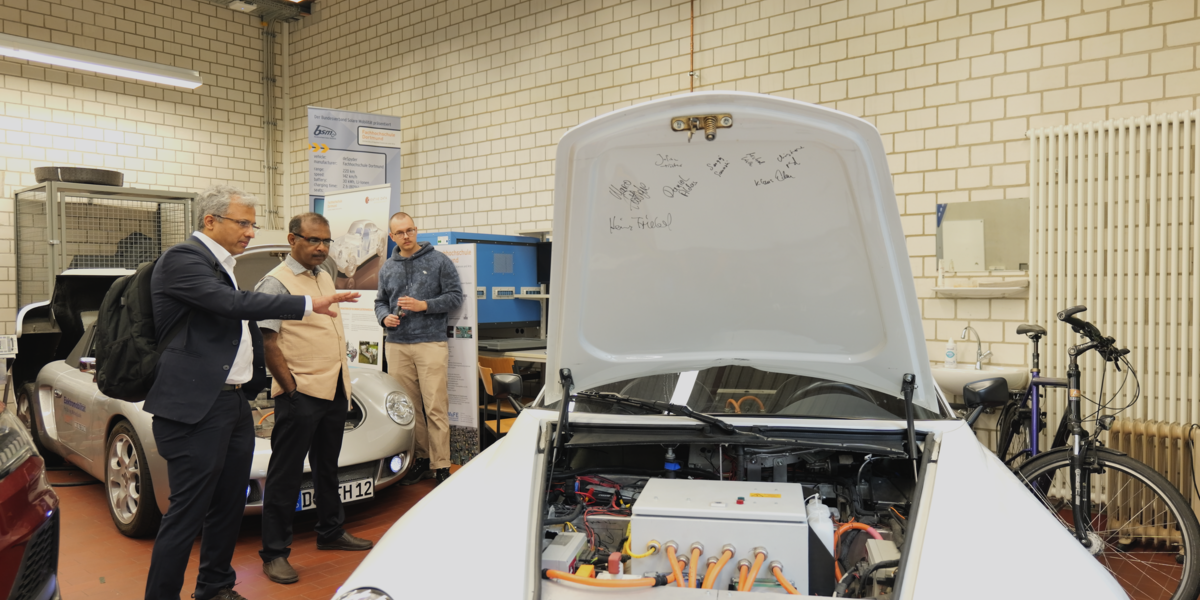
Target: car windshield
740	390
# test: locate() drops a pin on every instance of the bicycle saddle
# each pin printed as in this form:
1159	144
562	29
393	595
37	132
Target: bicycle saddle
1031	330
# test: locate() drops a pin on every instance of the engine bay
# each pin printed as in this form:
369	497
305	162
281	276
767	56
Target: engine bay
791	519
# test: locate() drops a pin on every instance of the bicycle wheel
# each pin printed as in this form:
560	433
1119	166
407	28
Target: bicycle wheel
1142	529
1012	435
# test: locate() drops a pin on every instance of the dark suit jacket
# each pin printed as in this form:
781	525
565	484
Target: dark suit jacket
194	367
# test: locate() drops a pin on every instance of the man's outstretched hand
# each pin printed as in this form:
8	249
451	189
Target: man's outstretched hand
324	304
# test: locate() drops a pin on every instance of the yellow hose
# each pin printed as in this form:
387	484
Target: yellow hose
651	547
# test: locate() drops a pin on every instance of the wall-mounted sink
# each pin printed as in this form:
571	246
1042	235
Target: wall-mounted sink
953	380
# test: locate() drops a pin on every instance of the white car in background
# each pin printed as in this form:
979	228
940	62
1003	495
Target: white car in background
735	326
112	439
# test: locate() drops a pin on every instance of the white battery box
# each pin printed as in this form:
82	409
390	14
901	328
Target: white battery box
746	514
563	551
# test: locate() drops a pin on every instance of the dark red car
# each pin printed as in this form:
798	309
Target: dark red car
28	516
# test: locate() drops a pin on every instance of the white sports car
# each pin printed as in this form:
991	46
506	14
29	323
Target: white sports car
736	363
112	440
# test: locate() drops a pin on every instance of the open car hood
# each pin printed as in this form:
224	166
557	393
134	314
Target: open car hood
776	245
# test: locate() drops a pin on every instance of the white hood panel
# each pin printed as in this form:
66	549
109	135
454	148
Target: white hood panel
778	246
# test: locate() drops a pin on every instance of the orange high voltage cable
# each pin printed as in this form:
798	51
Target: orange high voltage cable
710	578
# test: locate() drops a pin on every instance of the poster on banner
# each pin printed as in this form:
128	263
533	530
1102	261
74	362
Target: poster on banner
352	150
358	224
462	378
364	336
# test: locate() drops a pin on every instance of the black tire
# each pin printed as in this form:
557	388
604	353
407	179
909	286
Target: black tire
1144	547
129	488
1013	435
79	175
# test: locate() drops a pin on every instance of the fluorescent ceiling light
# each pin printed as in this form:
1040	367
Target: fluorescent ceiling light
88	60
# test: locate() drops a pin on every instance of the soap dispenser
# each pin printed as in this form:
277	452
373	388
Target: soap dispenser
951	354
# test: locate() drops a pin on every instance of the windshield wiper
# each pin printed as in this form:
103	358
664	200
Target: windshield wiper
675	409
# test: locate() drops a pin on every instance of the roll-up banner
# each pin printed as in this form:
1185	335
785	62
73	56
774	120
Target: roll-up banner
358	224
462	327
352	150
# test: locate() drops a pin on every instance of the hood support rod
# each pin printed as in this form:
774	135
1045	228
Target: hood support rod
909	387
560	433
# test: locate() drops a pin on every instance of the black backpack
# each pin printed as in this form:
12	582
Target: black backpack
127	346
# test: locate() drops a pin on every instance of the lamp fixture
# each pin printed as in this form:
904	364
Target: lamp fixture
241	6
88	60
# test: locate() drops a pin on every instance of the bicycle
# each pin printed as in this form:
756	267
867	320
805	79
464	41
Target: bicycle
1123	512
1017	432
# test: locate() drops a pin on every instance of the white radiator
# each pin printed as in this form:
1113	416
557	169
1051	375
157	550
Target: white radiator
1164	447
1114	227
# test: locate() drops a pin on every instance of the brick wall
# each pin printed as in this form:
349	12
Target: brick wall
486	89
161	137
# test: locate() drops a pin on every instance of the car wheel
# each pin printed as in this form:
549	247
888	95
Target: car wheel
130	491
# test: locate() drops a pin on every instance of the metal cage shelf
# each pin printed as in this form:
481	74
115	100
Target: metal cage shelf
63	226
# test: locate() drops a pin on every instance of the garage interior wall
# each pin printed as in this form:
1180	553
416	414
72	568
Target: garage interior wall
486	89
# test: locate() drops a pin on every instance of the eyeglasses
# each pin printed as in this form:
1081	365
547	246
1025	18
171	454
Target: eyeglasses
313	241
406	233
239	222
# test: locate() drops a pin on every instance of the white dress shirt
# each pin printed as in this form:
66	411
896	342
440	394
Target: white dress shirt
242	368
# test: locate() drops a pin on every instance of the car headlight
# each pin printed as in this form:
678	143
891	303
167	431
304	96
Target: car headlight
15	443
362	594
399	408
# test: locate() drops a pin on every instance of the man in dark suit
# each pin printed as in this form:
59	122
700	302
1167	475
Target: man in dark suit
202	423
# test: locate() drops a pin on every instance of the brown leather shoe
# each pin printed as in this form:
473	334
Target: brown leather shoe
346	542
279	571
228	594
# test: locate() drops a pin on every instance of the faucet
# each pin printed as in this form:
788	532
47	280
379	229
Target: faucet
979	353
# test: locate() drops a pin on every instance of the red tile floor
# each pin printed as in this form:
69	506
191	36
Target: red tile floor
95	562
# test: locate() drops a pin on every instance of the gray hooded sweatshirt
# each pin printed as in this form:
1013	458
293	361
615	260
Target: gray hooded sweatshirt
427	275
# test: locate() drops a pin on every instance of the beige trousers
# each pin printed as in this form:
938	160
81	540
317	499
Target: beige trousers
421	370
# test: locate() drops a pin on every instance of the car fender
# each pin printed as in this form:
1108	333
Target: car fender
379	435
492	493
980	518
41	408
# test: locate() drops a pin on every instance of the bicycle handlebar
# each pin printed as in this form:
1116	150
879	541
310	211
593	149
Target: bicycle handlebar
1105	345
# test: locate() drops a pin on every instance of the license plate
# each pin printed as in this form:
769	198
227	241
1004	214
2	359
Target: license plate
351	491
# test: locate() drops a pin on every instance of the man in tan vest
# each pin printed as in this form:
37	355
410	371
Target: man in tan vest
311	387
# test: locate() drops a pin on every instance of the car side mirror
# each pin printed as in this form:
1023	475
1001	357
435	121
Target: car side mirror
506	385
980	395
87	364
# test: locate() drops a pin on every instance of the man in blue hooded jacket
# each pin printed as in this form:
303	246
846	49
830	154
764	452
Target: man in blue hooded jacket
418	286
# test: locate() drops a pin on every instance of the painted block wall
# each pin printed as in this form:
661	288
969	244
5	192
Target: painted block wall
486	89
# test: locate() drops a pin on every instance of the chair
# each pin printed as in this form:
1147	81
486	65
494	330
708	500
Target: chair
501	389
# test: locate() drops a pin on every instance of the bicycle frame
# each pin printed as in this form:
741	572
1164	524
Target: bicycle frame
1035	397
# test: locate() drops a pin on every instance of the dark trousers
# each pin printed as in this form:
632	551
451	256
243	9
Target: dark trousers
312	426
208	468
